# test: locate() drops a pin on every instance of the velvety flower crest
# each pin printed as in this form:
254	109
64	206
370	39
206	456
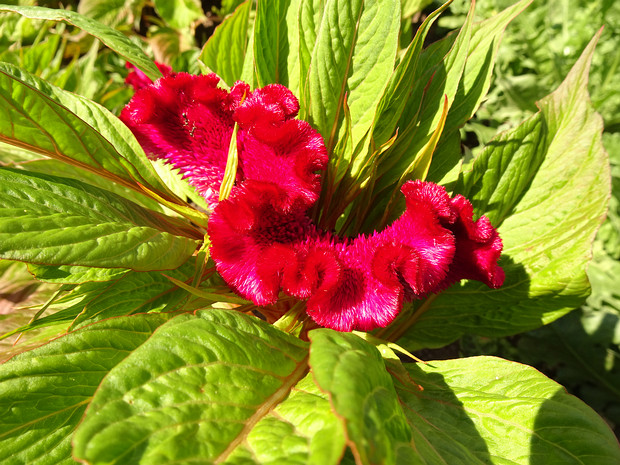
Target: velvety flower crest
264	244
188	121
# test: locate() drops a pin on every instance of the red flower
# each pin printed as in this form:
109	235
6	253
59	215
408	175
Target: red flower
263	242
188	121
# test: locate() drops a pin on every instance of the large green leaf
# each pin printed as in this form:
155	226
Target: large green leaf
44	392
486	410
546	185
362	393
352	61
193	392
225	50
309	18
301	430
110	37
54	167
59	221
276	43
59	124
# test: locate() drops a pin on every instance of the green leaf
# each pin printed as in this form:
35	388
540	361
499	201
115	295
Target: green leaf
481	55
178	185
59	221
546	185
474	84
504	170
247	71
193	392
300	430
225	50
353	59
59	124
44	392
125	294
488	410
276	43
74	274
132	293
580	349
410	7
228	7
52	167
437	76
232	161
401	84
362	393
180	14
309	19
113	39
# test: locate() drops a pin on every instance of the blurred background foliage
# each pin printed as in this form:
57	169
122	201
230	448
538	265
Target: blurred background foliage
581	350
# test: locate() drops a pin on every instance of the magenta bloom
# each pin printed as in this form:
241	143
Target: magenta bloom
263	241
188	121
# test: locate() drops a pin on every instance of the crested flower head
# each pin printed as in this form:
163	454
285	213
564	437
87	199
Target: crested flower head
264	243
188	121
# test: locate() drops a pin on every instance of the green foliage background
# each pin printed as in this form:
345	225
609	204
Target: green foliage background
582	349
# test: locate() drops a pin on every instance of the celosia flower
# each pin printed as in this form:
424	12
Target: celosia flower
263	241
188	121
138	80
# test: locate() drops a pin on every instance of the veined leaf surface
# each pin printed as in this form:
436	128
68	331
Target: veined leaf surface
59	124
59	221
193	392
44	392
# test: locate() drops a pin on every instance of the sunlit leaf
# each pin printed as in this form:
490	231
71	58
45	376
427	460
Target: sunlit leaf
362	393
488	410
193	392
224	52
353	59
50	121
44	392
59	221
179	13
